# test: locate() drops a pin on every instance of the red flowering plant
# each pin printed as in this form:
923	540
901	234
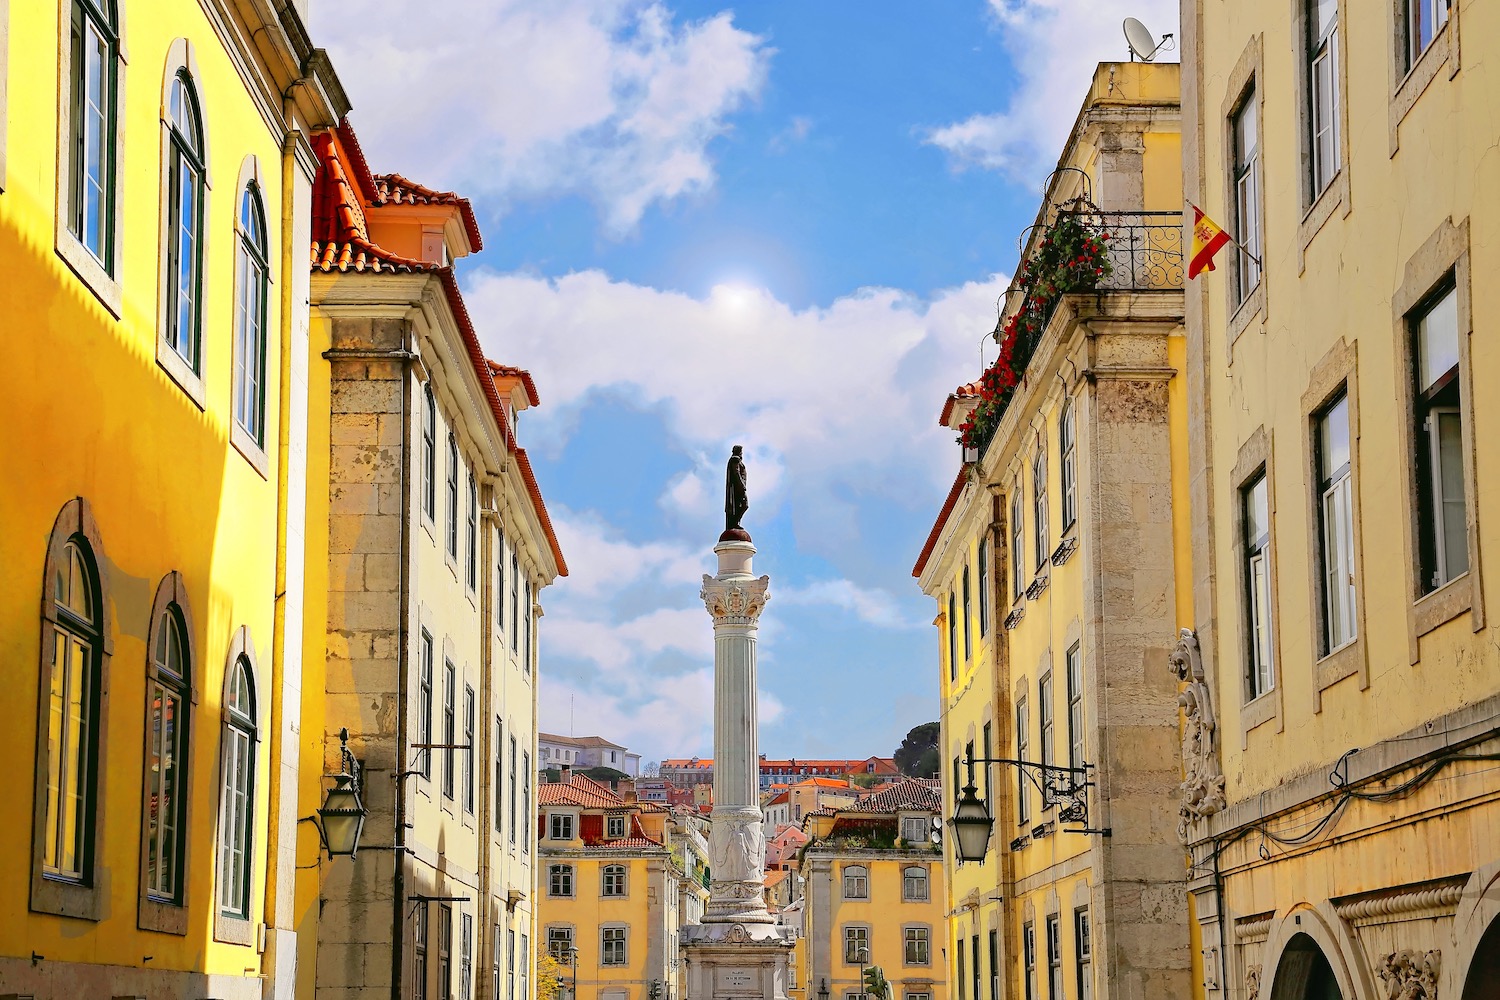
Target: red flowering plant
1070	257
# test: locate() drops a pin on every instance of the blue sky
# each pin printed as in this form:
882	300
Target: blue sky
783	224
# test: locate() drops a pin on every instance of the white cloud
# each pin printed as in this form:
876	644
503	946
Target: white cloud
872	606
614	100
1054	46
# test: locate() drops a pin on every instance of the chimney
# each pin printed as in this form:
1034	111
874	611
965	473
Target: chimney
625	788
565	774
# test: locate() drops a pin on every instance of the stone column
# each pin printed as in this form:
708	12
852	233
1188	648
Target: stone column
737	844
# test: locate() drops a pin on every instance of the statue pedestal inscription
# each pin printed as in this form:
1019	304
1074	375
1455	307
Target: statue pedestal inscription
738	952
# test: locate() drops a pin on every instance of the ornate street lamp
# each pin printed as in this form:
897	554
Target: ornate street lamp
823	990
342	812
971	823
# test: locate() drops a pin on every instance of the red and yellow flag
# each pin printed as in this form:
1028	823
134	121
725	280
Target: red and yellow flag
1208	239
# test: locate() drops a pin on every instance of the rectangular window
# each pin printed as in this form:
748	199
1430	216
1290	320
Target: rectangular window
1336	514
560	881
914	877
1067	433
510	965
496	982
989	751
526	801
612	945
560	943
974	958
1424	19
1028	960
613	883
1023	748
1442	508
466	957
452	497
952	638
429	454
1260	670
514	758
1077	745
471	536
528	622
856	945
614	827
525	966
1054	959
968	635
562	826
445	951
497	794
1017	544
984	587
994	965
917	946
962	994
500	581
856	882
91	158
450	695
1322	18
424	718
419	955
1244	132
1083	949
1042	543
1044	713
468	749
515	603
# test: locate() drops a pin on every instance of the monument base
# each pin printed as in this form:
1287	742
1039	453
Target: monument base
737	961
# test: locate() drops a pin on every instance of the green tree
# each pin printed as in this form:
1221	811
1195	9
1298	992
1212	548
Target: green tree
917	756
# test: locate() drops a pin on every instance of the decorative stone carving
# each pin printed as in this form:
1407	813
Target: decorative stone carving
739	854
735	602
1409	975
1203	787
1252	983
738	935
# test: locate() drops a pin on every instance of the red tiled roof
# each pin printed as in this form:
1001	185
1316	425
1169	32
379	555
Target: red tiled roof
579	790
362	174
970	391
541	509
937	529
823	783
393	189
902	795
510	371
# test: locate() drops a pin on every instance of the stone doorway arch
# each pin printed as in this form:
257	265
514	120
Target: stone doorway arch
1304	972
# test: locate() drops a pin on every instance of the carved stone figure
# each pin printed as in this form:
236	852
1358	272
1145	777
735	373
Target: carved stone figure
740	854
1408	975
1203	785
1252	983
736	499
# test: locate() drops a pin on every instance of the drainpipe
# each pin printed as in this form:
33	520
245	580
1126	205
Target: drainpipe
403	667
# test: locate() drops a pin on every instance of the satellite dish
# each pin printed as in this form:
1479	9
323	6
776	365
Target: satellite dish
1143	44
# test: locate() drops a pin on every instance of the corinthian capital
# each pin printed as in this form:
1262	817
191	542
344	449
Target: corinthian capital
737	602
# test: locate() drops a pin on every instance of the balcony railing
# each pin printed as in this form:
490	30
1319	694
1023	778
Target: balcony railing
1144	249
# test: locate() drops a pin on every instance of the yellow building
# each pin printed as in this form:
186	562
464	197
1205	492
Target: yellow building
152	219
1343	499
873	894
426	552
1060	568
619	877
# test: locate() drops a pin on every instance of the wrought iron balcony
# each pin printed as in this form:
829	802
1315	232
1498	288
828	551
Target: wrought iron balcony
1144	249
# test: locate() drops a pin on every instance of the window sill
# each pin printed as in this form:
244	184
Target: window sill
428	526
1317	215
1344	662
162	917
178	370
1416	81
65	899
249	449
105	286
1444	604
1249	308
1259	711
233	930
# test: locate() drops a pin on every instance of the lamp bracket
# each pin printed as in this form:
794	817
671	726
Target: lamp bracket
1065	787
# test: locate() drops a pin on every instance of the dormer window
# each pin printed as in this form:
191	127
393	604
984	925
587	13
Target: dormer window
615	827
562	825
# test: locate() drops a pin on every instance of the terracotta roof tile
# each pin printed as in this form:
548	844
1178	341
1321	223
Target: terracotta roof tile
959	482
902	795
510	371
963	392
393	189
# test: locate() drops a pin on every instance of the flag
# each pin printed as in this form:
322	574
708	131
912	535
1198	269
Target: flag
1208	239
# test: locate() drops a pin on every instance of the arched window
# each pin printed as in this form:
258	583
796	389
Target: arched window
452	497
94	44
237	788
1067	435
914	884
165	796
1304	973
72	730
1039	503
182	187
73	663
252	275
614	881
856	882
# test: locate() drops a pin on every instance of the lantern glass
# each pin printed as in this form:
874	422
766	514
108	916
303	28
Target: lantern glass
343	818
971	825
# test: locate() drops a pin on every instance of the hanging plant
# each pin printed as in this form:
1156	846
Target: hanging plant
1070	257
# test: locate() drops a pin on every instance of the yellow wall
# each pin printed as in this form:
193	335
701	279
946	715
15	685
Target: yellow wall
589	911
886	914
93	415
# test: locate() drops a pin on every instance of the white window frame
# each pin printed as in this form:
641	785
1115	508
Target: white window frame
856	943
1077	738
1260	663
1041	543
857	879
614	945
614	881
1023	747
562	881
615	827
561	825
1047	715
1433	23
1017	542
1245	183
1324	152
915	883
1067	443
1336	522
918	936
252	277
984	587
